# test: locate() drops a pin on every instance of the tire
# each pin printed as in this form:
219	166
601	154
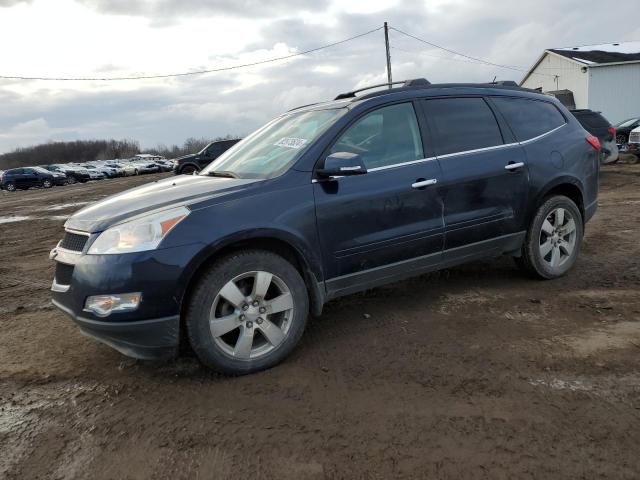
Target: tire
71	180
188	170
550	250
249	339
10	187
135	172
47	184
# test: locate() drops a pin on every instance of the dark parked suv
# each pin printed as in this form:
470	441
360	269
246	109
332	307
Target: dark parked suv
23	178
195	162
324	201
598	126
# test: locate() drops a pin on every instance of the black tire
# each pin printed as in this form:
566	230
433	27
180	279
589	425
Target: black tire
531	259
209	351
188	170
47	184
10	187
136	172
71	180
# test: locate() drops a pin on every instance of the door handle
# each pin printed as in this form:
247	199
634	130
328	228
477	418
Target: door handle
424	183
514	166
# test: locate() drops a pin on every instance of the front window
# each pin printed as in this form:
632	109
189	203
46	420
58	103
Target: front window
271	150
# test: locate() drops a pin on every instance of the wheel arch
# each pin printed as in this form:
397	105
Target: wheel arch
570	187
189	164
282	243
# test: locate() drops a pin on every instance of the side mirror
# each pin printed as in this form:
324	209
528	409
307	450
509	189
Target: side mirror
341	164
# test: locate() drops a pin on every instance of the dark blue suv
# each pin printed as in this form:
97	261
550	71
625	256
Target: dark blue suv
323	201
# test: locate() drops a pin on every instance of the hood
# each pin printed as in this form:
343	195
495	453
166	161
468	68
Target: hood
186	157
167	193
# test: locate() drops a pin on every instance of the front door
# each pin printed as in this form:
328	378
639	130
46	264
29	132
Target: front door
388	220
484	175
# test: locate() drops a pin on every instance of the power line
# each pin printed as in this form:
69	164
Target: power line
472	62
486	62
184	74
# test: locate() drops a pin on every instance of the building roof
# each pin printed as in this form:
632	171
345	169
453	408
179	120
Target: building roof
603	53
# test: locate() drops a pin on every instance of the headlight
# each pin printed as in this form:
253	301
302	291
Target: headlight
138	235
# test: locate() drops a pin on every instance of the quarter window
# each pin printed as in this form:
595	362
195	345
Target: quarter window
387	136
462	124
529	118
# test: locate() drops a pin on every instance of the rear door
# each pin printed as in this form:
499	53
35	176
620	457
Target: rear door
21	178
484	174
389	218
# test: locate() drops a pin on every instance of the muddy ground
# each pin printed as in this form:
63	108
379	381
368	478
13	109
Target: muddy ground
475	372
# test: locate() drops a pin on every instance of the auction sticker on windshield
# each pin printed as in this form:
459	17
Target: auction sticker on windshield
291	142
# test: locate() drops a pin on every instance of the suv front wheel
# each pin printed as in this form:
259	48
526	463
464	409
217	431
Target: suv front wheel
553	240
247	313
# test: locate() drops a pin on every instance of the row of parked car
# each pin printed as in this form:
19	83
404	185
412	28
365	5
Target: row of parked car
46	176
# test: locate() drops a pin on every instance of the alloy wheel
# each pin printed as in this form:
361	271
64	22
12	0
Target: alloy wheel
557	237
251	315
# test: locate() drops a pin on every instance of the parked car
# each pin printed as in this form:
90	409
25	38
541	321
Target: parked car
623	130
145	166
188	164
59	178
597	125
634	145
94	172
324	201
165	165
74	174
24	178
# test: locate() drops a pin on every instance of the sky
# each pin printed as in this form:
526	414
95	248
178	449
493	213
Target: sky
111	38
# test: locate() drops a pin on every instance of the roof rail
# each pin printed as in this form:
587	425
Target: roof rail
416	82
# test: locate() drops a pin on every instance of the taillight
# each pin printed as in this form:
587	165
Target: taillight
594	142
612	131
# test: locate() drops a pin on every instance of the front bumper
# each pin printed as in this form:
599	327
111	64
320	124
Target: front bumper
150	331
146	339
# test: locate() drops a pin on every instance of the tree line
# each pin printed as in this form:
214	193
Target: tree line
81	151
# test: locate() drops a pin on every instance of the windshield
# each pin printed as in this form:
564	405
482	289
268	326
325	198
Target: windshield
201	152
271	150
627	123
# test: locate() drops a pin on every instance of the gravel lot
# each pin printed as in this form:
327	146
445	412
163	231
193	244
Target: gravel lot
474	372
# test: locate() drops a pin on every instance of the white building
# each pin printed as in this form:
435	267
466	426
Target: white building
605	78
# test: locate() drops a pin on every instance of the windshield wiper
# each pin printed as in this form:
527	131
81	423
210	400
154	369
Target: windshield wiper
224	174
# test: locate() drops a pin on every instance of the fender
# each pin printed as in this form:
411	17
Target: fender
306	255
556	182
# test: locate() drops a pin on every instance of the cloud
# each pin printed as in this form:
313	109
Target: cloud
166	12
238	101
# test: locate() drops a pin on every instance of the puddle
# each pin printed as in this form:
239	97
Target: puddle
58	217
558	384
13	219
64	206
614	337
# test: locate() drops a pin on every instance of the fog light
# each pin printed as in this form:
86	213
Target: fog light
105	305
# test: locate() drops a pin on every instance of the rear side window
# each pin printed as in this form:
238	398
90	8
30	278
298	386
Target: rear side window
462	124
529	118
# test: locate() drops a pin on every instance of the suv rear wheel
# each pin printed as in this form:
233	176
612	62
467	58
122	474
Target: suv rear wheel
553	240
247	313
47	183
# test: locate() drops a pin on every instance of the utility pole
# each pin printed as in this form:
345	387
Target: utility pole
386	42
